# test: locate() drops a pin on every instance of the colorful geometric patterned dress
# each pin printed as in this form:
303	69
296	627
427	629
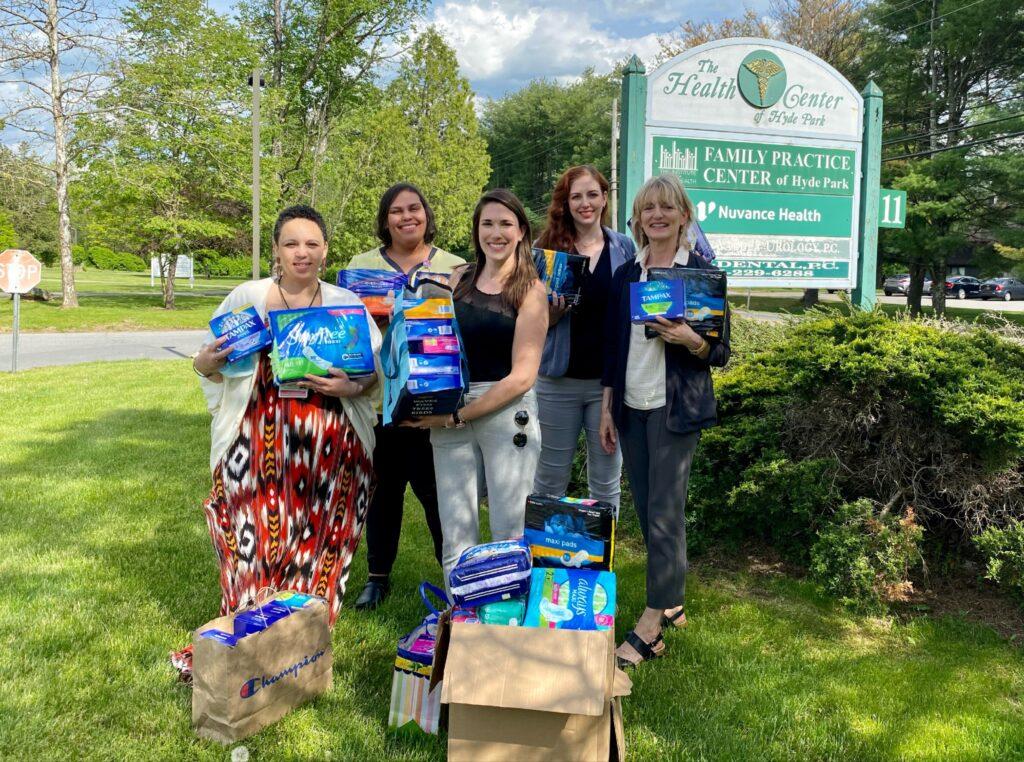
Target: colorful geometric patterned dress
289	500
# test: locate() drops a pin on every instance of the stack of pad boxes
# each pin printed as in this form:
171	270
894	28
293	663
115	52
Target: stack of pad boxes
544	686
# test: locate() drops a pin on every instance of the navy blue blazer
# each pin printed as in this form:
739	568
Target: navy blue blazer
689	394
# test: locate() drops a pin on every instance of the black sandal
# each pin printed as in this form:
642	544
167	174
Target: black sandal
644	650
674	620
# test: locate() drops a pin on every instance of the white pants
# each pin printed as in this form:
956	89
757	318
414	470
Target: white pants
483	453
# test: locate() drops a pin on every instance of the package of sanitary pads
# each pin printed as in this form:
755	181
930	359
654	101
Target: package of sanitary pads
570	532
315	339
705	293
561	272
571	599
652	299
245	329
376	288
494	571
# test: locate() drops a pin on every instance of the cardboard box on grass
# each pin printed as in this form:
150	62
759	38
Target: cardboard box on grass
241	689
527	693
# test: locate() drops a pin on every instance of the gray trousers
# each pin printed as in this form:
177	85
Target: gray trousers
483	453
568	405
658	464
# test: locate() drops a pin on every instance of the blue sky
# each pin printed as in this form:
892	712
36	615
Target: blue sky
503	45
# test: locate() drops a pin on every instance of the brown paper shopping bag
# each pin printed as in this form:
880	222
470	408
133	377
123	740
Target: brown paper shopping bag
239	689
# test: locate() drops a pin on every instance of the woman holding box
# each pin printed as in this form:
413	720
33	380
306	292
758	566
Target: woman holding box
502	312
569	387
402	457
292	474
658	396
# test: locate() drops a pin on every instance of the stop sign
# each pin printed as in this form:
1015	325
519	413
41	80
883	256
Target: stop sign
20	272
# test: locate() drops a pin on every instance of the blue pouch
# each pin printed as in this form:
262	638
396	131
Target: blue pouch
571	599
417	646
494	571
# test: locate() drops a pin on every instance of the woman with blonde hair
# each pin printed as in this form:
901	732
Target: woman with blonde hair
658	397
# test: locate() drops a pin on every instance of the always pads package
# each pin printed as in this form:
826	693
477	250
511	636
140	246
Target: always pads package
705	293
494	571
245	329
376	288
652	299
570	532
571	599
315	339
561	272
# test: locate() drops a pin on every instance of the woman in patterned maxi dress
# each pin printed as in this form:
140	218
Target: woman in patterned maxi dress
292	479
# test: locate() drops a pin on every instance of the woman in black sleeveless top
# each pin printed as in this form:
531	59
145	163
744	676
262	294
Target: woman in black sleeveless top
502	313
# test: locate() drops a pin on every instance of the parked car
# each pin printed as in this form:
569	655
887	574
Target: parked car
896	284
1006	289
927	289
962	286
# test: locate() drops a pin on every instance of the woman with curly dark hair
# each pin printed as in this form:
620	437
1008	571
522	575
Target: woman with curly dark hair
569	385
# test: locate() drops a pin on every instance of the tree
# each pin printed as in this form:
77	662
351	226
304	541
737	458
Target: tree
450	155
690	34
534	134
948	68
8	236
27	196
169	162
52	52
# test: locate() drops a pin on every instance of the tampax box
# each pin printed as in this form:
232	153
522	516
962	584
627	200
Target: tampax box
561	272
570	532
315	339
245	329
652	299
705	294
524	693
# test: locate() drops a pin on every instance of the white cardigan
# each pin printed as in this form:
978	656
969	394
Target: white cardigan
227	401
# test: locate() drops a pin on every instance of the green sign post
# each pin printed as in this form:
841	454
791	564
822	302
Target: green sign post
777	151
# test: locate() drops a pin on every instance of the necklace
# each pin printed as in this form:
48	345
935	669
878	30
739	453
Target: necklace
288	306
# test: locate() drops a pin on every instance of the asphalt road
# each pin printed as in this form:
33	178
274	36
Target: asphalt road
41	349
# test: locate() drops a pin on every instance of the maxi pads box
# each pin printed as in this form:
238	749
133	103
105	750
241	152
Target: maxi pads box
524	693
570	531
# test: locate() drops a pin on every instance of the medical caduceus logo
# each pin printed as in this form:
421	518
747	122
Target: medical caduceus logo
761	79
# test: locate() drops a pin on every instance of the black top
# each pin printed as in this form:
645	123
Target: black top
689	394
586	337
487	326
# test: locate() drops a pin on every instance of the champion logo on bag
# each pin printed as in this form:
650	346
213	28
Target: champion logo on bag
251	686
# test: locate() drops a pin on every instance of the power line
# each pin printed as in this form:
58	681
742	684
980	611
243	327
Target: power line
979	142
506	157
914	138
936	18
899	10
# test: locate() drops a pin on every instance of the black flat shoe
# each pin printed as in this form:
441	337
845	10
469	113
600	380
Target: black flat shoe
373	594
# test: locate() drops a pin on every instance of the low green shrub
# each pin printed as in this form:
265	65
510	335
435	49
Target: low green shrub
107	259
863	556
1003	551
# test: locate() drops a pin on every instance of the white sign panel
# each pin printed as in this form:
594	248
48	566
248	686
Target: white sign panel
767	140
184	269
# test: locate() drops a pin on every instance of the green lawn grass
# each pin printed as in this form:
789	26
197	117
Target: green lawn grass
107	565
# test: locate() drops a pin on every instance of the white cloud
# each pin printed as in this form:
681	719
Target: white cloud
502	46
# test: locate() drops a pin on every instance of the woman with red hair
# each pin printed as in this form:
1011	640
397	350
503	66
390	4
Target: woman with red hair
569	386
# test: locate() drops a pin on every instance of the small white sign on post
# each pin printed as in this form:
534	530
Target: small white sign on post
20	272
185	268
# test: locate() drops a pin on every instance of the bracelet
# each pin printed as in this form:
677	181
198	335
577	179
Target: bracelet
201	375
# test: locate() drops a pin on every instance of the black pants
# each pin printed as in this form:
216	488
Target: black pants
658	464
402	456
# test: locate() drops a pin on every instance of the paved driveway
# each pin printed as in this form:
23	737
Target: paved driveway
39	349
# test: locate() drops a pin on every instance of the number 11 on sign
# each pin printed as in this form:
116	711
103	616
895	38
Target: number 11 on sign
892	208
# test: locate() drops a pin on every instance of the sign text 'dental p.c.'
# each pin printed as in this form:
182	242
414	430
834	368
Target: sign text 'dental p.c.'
767	140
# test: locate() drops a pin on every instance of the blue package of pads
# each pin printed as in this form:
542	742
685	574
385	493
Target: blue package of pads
561	272
247	333
376	288
224	638
422	329
494	571
705	292
433	365
570	532
571	599
653	298
427	384
315	339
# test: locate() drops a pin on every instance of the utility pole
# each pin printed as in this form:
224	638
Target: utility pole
615	164
256	82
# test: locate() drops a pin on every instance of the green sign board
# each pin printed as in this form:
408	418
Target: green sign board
892	208
785	269
774	214
734	165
